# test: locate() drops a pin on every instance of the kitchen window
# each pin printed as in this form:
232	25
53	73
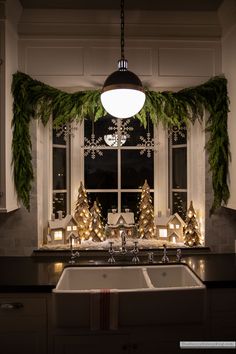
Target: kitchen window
113	157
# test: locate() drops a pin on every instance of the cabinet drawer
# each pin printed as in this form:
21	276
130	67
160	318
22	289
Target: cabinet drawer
17	313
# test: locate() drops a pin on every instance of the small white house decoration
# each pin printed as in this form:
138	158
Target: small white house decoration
116	222
170	228
59	229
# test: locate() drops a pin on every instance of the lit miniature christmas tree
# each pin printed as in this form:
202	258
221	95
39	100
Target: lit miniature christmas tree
146	226
191	230
98	231
83	215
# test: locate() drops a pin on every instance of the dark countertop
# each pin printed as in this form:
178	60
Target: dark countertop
40	273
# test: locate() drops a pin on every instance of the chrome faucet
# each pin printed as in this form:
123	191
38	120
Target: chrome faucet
123	250
165	259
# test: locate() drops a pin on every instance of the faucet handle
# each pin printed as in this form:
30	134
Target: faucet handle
73	256
135	251
165	259
111	251
150	257
178	255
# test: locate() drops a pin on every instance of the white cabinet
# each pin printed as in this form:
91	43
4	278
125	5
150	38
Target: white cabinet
8	66
23	324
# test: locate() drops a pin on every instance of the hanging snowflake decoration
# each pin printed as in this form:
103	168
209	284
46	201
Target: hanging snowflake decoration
176	132
148	145
66	130
121	130
92	146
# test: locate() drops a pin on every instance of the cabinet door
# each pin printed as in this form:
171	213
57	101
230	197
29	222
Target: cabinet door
222	314
22	342
23	325
90	344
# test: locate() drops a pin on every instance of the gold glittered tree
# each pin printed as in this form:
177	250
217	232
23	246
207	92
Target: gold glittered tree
83	215
191	230
146	227
97	233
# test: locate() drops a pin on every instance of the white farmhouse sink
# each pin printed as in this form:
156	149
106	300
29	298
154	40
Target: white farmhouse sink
173	276
128	296
84	279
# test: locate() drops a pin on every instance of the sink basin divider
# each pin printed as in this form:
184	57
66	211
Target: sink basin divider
147	278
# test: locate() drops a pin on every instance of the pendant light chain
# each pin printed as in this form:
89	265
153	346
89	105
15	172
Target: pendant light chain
122	29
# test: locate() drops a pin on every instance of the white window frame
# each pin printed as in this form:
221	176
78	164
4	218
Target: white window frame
195	172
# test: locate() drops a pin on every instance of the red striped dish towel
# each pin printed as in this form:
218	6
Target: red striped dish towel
104	309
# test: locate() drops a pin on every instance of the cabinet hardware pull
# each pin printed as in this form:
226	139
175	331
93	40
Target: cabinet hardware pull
11	306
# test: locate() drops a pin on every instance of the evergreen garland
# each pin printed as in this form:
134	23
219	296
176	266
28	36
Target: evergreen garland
34	99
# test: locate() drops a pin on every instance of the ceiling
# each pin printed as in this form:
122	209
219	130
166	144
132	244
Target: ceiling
159	5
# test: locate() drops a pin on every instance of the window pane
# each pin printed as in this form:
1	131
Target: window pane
59	168
107	201
101	173
179	136
179	168
100	127
59	140
138	130
135	168
180	203
130	201
59	203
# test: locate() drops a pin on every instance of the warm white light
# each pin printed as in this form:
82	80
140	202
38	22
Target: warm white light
58	235
123	103
68	228
113	139
74	228
177	226
172	226
163	232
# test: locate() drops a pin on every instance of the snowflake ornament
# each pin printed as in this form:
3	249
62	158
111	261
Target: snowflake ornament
121	128
66	130
177	132
148	145
92	146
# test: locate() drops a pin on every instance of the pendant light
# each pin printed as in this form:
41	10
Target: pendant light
122	93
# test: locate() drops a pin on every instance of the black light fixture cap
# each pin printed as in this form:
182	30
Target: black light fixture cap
122	78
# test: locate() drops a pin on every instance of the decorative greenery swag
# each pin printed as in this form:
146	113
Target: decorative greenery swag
34	99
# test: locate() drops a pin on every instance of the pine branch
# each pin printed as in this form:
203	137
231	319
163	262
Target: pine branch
34	99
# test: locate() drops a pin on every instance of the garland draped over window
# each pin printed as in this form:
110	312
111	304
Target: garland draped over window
34	99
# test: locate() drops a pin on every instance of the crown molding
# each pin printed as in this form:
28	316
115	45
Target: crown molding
139	24
227	15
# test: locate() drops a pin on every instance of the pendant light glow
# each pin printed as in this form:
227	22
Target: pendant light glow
122	93
123	103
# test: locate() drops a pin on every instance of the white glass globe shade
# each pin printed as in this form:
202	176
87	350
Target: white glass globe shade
123	103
